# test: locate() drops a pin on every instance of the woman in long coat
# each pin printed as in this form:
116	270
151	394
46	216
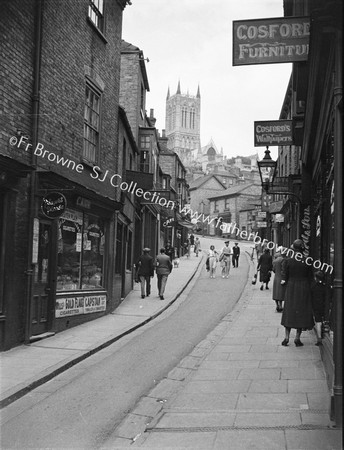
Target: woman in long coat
297	312
265	267
278	290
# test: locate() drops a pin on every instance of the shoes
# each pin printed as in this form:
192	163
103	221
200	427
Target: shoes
267	288
318	343
298	343
162	297
285	342
142	296
223	276
261	288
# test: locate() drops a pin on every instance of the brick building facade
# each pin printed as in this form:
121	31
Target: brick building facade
59	138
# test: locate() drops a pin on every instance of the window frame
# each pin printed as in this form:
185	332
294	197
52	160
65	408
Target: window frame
89	125
98	13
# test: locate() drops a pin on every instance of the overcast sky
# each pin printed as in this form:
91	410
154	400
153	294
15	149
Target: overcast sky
191	41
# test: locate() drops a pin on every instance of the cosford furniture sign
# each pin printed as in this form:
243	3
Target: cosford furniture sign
273	133
266	41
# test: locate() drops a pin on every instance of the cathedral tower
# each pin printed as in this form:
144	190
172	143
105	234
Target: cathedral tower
183	116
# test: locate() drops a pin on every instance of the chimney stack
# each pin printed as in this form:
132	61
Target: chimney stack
152	119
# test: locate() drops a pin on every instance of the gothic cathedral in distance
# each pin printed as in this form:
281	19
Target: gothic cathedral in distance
183	117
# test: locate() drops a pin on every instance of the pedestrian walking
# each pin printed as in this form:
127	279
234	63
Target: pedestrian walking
192	239
187	247
265	267
225	259
318	290
297	311
236	254
212	261
169	250
197	247
278	290
259	250
163	269
145	270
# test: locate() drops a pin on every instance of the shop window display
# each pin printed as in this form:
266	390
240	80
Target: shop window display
80	251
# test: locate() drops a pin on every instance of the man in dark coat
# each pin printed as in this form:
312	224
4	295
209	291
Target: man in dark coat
145	271
296	276
169	250
163	269
236	254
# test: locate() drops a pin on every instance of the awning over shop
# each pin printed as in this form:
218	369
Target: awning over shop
183	222
276	207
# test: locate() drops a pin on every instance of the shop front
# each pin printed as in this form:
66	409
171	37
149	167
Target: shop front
73	260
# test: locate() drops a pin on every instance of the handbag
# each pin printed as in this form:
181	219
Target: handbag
254	281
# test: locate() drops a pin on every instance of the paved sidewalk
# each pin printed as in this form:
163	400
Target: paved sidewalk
238	389
26	367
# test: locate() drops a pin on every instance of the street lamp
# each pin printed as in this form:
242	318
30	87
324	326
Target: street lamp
267	170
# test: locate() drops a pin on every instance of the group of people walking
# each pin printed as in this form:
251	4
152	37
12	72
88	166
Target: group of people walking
145	271
298	293
192	243
225	258
162	265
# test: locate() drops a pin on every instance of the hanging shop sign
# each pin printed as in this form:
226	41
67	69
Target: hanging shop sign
261	214
273	133
266	41
279	218
54	205
261	224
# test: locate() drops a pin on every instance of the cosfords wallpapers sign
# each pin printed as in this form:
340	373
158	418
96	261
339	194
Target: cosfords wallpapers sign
276	40
273	132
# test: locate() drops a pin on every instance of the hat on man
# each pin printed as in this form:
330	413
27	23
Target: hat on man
226	242
298	245
320	275
146	250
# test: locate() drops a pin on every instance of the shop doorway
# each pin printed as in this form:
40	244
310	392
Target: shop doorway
42	305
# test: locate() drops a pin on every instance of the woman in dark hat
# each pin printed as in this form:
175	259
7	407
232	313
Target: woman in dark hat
296	275
265	268
278	290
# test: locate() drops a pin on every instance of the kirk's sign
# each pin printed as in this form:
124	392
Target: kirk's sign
266	41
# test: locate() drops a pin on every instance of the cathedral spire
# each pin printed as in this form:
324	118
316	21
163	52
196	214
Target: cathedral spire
178	88
198	93
168	93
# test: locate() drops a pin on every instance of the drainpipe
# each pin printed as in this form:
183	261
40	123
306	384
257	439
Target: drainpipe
33	175
338	234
